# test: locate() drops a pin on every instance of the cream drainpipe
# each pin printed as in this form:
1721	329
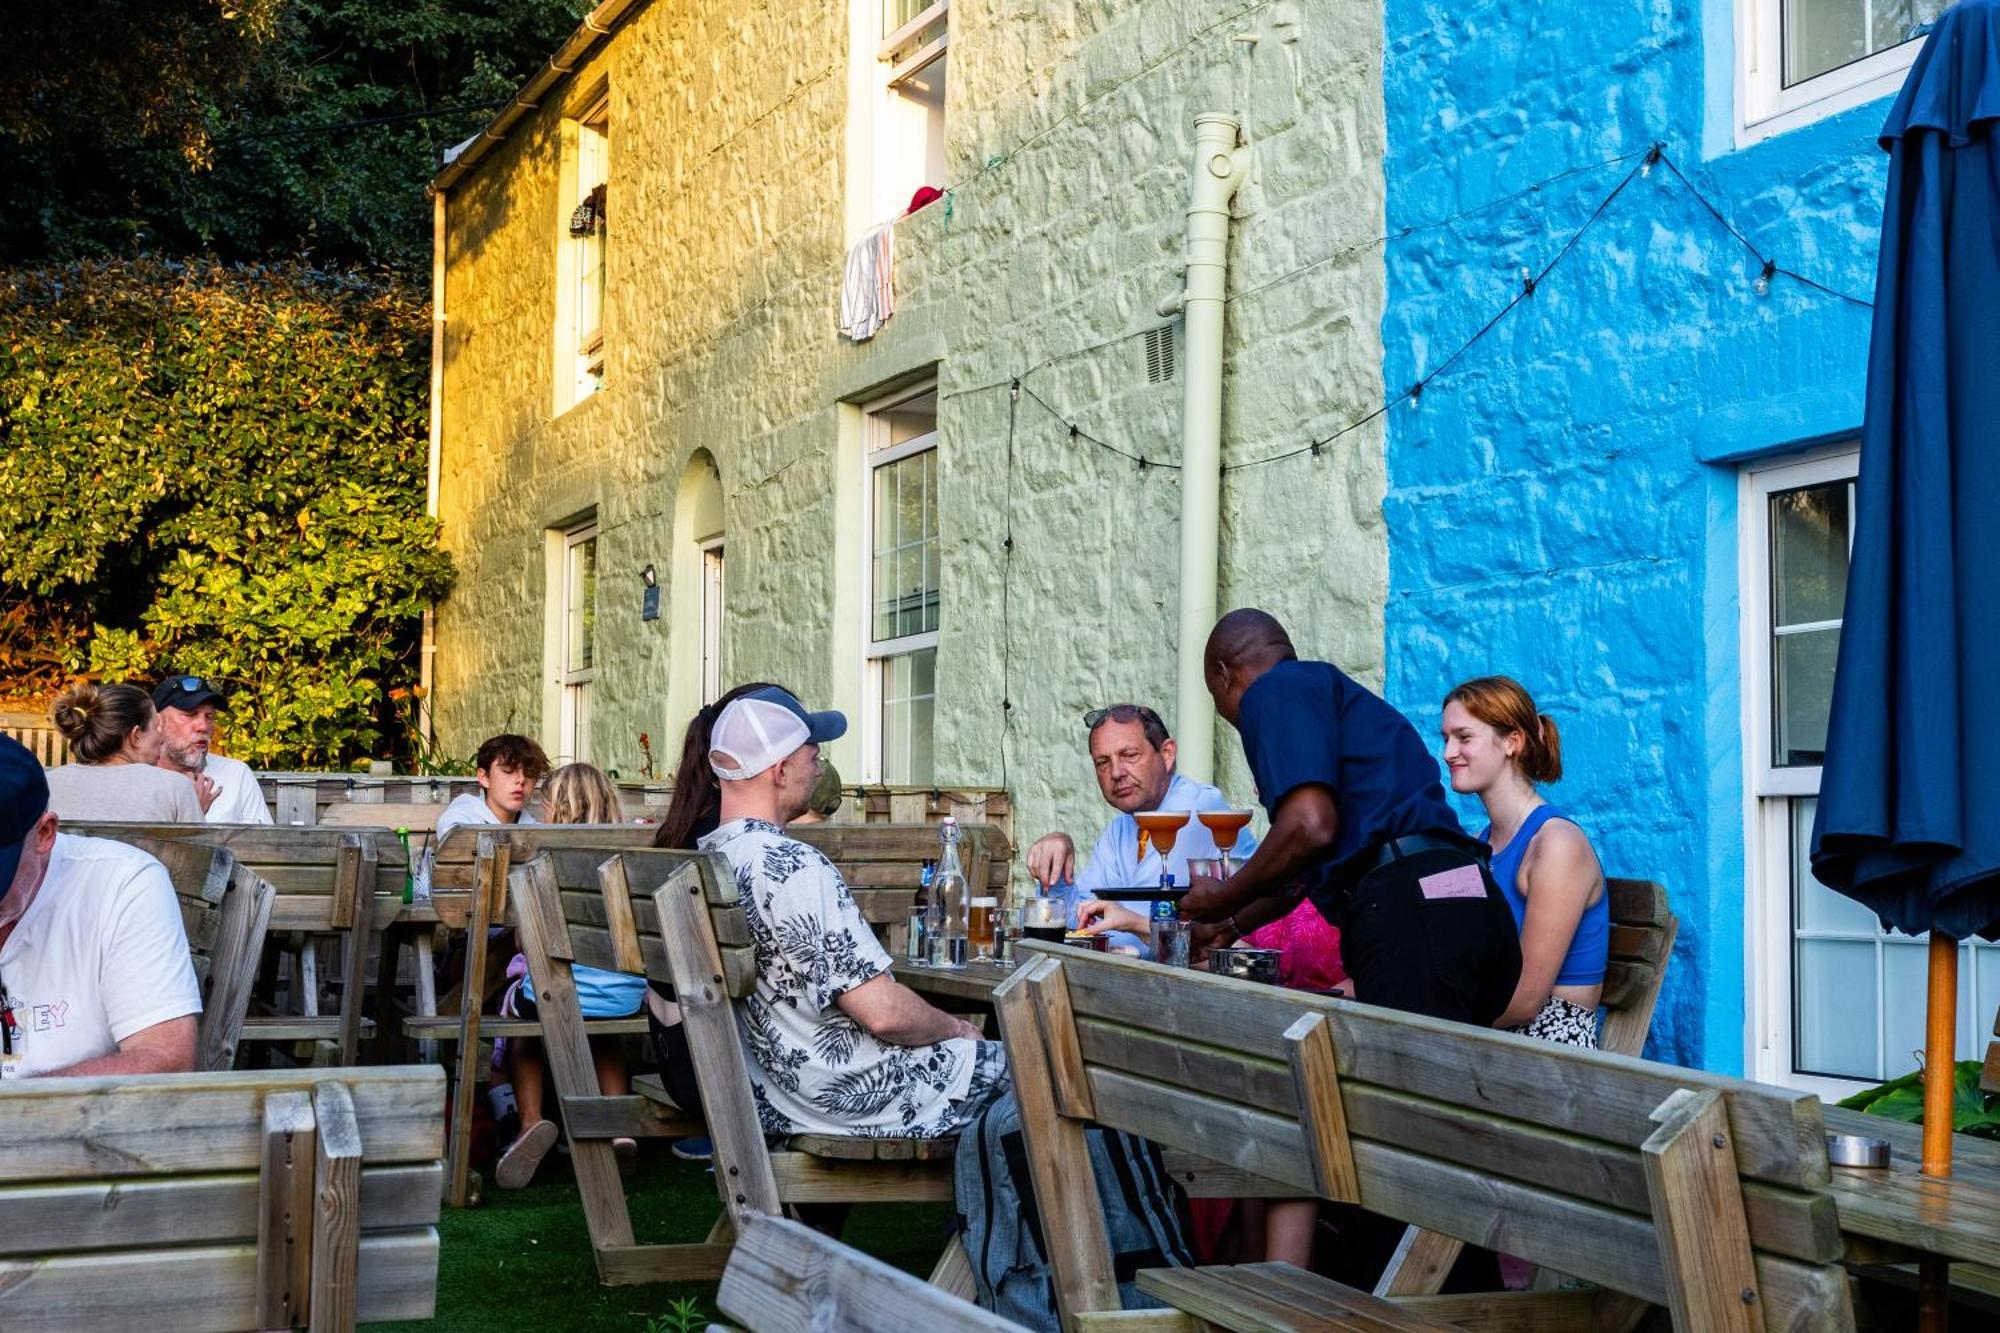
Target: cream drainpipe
1219	169
429	642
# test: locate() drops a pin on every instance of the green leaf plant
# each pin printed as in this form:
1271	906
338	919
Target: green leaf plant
220	470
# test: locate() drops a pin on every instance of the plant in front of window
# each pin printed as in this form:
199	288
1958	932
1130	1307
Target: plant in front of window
1973	1110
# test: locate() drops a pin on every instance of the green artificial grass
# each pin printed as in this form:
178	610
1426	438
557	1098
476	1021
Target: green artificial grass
521	1260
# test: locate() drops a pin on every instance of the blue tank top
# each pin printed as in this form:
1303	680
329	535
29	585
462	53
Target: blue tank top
1590	950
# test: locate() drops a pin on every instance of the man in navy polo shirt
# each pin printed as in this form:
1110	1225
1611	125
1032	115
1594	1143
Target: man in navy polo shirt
1359	824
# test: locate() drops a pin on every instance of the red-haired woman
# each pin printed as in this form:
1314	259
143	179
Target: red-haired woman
1499	749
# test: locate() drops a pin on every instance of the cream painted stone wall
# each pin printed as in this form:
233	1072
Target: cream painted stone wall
1070	129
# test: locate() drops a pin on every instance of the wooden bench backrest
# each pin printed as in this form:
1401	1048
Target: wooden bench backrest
1643	928
1529	1148
225	910
322	875
784	1277
153	1215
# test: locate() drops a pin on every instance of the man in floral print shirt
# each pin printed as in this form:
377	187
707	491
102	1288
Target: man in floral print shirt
836	1044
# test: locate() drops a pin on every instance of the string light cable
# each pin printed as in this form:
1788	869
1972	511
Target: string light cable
1655	155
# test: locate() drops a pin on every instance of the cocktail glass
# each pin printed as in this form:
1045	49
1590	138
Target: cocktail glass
1225	826
1164	828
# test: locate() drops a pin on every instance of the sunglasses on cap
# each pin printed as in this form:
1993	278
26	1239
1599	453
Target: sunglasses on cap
1097	717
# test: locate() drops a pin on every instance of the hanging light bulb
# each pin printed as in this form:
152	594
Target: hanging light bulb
1763	284
1652	157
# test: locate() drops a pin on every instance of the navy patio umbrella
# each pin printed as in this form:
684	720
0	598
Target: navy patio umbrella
1909	807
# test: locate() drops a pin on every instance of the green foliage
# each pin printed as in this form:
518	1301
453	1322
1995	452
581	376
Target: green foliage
223	470
250	163
683	1316
1972	1111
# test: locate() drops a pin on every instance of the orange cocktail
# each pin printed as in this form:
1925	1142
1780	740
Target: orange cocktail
1225	825
1163	827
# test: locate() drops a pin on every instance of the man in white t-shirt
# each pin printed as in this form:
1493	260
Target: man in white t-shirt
95	976
508	767
187	706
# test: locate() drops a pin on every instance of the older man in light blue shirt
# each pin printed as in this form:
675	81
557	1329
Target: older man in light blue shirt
1133	757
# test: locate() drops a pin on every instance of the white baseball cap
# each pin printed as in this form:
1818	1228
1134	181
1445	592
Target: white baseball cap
758	729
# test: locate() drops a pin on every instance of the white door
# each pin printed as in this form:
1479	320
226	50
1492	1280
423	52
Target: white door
711	621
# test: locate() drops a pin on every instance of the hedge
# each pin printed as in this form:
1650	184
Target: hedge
220	470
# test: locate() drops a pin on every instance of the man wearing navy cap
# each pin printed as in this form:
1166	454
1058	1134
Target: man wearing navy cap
95	976
839	1046
187	706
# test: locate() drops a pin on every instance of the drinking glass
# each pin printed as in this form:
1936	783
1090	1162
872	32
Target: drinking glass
1045	919
979	926
1006	929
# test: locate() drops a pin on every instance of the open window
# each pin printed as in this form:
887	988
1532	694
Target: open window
580	298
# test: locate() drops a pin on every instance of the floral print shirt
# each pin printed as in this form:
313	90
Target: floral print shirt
815	1070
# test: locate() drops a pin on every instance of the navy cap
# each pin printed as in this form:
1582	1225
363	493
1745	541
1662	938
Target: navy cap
822	727
24	795
188	692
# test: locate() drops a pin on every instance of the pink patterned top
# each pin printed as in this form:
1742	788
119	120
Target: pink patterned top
1308	948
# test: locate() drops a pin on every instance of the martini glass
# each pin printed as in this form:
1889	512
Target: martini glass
1163	827
1226	826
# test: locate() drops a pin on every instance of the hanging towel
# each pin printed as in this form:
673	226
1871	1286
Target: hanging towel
868	289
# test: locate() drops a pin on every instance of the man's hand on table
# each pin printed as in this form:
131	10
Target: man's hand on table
1052	860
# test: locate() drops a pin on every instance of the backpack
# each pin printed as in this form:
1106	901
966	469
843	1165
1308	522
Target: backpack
1145	1215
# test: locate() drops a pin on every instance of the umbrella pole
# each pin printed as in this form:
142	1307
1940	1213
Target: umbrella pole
1940	1084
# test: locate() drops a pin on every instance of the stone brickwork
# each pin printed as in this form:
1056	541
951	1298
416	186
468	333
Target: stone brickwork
1562	507
1070	131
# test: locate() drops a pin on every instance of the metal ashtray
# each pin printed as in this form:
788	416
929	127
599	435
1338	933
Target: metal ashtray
1245	963
1856	1150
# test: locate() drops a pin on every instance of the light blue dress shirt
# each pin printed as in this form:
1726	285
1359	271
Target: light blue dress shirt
1115	862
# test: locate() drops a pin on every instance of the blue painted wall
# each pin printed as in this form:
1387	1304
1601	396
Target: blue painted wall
1562	505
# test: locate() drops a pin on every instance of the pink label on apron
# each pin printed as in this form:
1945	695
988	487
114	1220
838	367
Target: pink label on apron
1459	882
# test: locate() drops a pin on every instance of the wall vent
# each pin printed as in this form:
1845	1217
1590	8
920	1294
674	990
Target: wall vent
1161	354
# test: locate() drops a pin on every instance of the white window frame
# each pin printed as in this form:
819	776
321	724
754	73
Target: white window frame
713	607
879	453
573	725
1765	107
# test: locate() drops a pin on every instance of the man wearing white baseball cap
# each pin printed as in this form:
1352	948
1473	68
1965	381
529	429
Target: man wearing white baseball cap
837	1045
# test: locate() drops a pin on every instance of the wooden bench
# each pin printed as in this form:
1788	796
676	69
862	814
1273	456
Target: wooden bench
1643	929
340	883
1658	1184
784	1277
675	916
220	1200
225	909
882	864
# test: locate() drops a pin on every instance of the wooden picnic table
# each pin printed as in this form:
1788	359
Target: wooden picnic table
1955	1217
973	984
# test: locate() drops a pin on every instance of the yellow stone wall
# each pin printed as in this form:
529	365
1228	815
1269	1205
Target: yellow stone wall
1069	140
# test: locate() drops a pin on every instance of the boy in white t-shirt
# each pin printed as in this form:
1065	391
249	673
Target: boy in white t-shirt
508	767
95	976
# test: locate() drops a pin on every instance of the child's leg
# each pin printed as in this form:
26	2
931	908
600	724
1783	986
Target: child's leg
610	1062
527	1071
1289	1225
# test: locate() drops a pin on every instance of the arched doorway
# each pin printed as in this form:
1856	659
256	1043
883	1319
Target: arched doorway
696	586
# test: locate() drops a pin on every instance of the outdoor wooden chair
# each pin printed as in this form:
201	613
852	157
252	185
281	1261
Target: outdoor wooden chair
469	877
220	1201
675	916
1658	1184
225	909
335	885
882	864
1643	928
784	1277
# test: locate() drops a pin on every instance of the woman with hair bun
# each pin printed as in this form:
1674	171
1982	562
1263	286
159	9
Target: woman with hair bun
1499	748
114	739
